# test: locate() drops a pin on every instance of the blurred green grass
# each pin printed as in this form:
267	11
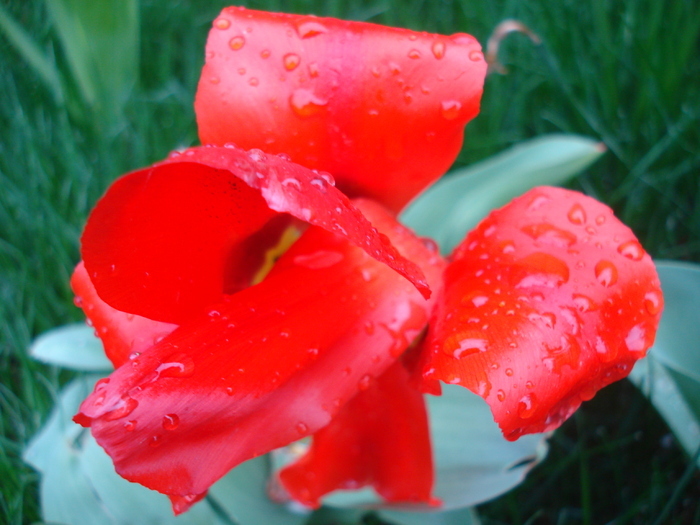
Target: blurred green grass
624	72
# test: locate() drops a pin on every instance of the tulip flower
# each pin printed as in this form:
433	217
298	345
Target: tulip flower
246	302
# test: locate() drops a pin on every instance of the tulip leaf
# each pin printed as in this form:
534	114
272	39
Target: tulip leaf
72	346
670	374
454	205
242	493
473	461
79	484
101	41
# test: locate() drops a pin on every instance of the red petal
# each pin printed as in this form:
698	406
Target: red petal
383	109
268	365
168	240
548	300
380	438
122	334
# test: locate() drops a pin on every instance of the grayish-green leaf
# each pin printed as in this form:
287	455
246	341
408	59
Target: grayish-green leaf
101	41
72	346
31	53
670	374
473	462
78	481
243	495
451	517
456	203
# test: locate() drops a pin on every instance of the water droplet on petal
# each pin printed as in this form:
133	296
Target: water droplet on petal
130	425
606	273
291	61
636	339
178	365
501	395
509	372
155	441
577	215
291	182
438	49
253	81
414	54
302	428
236	43
318	260
470	346
527	406
126	407
364	382
652	302
476	56
584	303
600	219
310	29
548	234
265	53
450	109
542	269
222	23
305	103
171	421
632	250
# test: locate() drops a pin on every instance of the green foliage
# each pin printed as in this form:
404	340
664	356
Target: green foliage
622	72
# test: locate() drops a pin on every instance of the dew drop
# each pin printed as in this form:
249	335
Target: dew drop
632	250
547	319
178	365
265	53
577	215
606	273
253	81
305	103
236	43
291	182
126	407
291	61
302	428
222	23
550	235
542	269
313	352
313	69
310	29
438	49
470	346
527	406
450	109
509	372
583	303
130	425
414	54
155	441
652	302
501	395
171	421
636	339
483	388
364	382
529	384
600	219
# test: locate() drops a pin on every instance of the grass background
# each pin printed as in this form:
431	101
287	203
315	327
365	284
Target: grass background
625	72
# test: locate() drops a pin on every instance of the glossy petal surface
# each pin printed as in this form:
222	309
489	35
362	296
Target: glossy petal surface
168	240
380	108
122	334
548	300
265	366
380	438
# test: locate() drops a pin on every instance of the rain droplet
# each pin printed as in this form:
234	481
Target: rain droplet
652	302
291	182
313	352
222	23
130	425
577	215
126	407
548	234
606	273
542	269
170	421
291	61
509	372
364	382
313	69
178	365
155	441
236	43
305	103
414	54
600	219
318	260
253	81
547	319
302	428
476	56
265	53
483	388
636	339
501	395
527	406
310	29
632	250
470	346
584	303
438	49
450	109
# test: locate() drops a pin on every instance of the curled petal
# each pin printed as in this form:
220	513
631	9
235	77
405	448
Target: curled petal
383	109
263	367
122	334
380	438
168	240
548	300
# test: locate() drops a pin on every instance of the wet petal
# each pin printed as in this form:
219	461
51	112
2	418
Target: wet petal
168	240
123	335
548	300
380	438
264	367
382	109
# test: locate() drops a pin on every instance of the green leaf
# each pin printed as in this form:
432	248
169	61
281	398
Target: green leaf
670	374
474	462
454	205
453	517
32	55
242	493
72	346
79	484
101	41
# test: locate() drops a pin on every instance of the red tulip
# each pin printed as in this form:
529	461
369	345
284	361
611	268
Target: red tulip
231	339
382	109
